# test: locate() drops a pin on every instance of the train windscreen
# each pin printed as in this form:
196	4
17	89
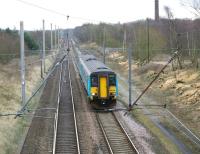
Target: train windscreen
94	81
112	80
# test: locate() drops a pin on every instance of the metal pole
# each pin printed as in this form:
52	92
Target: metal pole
67	41
148	57
22	63
58	37
129	75
43	49
188	44
41	64
156	77
51	38
68	49
55	37
124	41
104	54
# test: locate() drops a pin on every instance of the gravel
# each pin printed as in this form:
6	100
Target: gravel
138	134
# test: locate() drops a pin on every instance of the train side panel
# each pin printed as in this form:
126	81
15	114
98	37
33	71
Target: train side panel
116	87
84	76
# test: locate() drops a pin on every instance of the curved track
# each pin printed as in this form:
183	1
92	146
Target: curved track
115	135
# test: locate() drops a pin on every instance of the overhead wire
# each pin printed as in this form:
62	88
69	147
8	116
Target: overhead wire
43	8
56	12
24	107
7	114
144	91
185	33
21	111
36	61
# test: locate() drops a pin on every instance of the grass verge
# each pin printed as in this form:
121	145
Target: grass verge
160	141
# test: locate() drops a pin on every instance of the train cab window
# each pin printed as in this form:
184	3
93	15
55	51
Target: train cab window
94	81
112	80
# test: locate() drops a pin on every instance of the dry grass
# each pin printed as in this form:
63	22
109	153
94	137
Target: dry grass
180	90
9	42
11	130
185	84
91	45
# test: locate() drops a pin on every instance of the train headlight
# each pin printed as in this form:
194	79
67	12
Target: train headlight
93	94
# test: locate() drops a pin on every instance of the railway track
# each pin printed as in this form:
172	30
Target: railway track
66	135
90	137
115	135
39	134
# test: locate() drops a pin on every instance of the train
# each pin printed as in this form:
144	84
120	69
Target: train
99	81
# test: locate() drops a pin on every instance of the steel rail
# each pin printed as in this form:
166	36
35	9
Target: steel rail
106	136
123	129
74	112
57	110
22	110
23	114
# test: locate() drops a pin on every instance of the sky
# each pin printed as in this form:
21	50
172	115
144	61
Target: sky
82	11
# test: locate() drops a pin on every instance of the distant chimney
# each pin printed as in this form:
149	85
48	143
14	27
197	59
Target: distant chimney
157	10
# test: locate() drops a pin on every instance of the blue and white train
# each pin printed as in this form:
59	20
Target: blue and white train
99	81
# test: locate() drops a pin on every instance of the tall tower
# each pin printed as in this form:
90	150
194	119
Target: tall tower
157	10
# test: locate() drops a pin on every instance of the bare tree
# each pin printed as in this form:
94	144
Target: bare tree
192	5
173	35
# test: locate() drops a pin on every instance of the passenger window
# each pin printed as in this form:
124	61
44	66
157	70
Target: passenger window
94	81
112	80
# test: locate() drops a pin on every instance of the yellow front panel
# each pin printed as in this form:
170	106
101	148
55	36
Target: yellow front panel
103	87
94	90
112	89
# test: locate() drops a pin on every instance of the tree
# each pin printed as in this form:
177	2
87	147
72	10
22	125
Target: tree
156	41
8	30
174	36
30	42
192	5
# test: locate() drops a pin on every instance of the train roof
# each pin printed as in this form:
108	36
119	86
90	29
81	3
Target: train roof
94	65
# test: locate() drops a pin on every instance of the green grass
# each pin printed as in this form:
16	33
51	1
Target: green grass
13	131
15	137
160	141
164	141
182	137
17	134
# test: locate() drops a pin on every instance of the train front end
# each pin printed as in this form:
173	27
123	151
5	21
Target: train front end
103	89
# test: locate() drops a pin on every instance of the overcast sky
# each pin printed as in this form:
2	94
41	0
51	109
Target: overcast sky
82	11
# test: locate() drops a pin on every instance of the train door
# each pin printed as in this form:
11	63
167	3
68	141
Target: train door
103	86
